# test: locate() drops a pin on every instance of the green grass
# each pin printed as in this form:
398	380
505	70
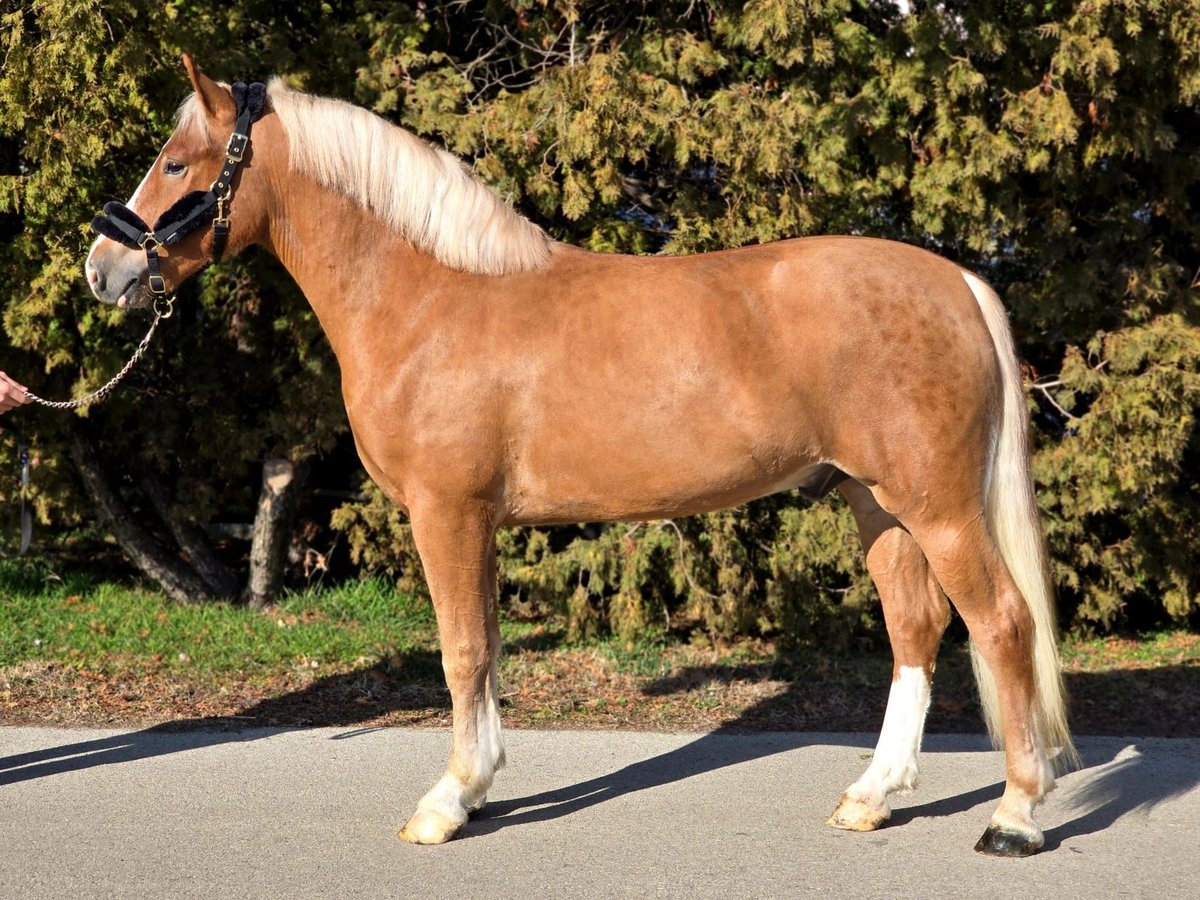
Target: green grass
75	620
95	624
1147	650
100	625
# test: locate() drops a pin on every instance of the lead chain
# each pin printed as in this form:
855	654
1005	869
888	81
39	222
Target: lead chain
160	312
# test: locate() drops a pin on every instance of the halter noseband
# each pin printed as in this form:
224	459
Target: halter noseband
191	211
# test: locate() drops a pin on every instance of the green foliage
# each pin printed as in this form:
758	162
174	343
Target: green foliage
1050	146
1120	495
767	568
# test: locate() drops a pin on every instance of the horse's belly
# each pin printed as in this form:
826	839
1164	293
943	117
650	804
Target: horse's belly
658	441
600	487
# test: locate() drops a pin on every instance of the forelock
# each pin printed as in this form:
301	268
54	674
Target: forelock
192	124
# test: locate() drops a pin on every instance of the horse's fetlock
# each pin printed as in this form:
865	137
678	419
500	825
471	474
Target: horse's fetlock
902	779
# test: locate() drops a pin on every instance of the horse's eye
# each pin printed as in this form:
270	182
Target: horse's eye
171	167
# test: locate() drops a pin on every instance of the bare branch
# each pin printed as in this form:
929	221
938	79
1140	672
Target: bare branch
1050	397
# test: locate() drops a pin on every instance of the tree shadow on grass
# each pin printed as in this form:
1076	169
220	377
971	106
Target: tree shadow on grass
541	640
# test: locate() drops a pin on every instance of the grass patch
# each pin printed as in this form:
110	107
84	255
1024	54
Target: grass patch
1153	650
103	626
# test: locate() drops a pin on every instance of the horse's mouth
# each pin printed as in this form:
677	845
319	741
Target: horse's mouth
133	295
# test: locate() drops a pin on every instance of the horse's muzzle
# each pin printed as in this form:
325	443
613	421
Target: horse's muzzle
117	275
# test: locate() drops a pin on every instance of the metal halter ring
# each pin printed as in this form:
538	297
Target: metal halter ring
164	306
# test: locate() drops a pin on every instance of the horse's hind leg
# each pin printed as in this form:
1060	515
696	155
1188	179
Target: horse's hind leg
916	613
458	552
968	565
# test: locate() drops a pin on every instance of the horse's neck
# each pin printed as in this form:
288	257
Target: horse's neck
346	261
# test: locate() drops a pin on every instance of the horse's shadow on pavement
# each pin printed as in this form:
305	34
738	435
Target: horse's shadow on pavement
1119	776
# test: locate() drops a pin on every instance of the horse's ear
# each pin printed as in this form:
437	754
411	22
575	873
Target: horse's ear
216	100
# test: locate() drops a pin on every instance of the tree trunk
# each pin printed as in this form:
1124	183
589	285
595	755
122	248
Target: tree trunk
179	582
192	541
272	527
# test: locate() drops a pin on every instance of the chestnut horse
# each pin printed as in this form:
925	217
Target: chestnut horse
495	377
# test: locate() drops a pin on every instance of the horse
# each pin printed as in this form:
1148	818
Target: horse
494	377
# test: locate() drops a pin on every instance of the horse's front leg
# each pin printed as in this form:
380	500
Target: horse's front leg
458	551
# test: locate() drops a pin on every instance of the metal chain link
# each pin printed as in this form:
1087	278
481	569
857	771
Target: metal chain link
102	393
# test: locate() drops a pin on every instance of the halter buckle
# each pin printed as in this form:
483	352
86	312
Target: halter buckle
236	147
158	285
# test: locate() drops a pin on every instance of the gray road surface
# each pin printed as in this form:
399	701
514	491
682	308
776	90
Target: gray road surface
313	813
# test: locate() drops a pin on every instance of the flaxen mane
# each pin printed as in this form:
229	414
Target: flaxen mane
424	194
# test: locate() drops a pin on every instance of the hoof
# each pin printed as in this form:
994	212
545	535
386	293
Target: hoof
1007	843
426	827
477	805
854	815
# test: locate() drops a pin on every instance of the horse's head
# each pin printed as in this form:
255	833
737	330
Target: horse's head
181	187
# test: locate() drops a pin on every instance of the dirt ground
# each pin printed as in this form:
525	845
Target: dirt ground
549	686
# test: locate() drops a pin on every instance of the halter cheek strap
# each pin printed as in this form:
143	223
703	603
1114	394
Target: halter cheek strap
191	211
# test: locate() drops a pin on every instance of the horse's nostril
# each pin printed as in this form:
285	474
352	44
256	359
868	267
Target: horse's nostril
96	277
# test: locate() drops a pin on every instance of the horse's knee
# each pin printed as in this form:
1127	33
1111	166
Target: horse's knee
467	662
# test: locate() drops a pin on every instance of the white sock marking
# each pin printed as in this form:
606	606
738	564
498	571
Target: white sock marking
485	755
894	765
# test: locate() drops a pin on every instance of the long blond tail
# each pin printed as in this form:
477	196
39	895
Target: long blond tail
1015	525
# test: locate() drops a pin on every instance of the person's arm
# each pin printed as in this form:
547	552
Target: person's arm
12	394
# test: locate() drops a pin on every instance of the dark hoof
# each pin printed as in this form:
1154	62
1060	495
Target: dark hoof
1006	843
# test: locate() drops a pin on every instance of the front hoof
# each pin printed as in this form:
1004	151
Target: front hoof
426	827
855	815
997	842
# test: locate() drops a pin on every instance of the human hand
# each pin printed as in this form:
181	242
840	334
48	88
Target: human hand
12	394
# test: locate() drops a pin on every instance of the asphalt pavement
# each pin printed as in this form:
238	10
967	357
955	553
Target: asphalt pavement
314	813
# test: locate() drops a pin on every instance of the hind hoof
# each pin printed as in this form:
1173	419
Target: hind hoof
855	815
996	842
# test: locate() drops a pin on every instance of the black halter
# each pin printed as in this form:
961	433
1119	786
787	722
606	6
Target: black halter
192	210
